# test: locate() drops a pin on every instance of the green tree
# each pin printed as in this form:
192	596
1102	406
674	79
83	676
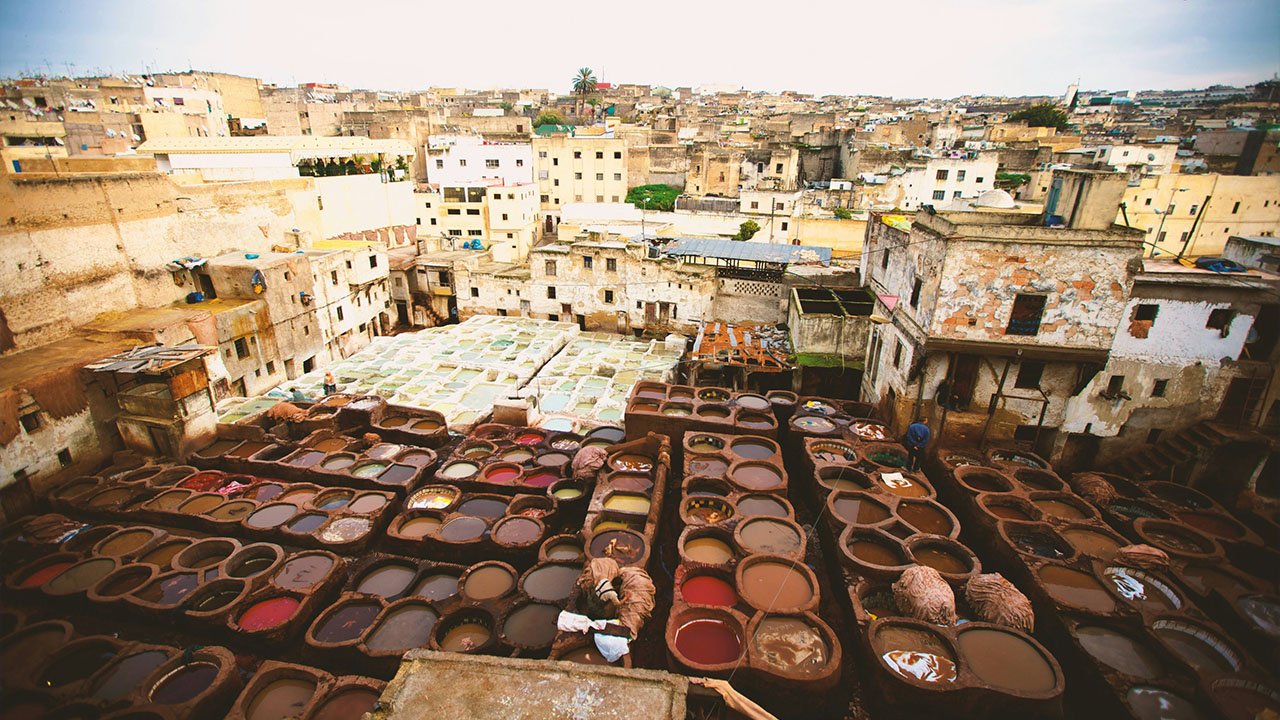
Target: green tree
1042	115
584	83
747	230
654	197
593	101
506	107
548	117
842	213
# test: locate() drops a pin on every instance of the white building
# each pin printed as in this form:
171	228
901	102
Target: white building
943	180
268	157
580	168
470	159
500	218
1146	159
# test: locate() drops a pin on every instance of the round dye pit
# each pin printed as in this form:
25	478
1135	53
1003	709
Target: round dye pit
1120	651
205	553
567	492
1075	588
463	529
1214	524
283	698
307	523
271	516
1244	699
346	529
1010	508
756	476
516	531
946	558
333	500
761	506
109	497
753	402
303	572
983	480
708	550
631	462
184	683
859	508
123	581
768	535
387	580
502	474
485	507
791	645
1092	542
916	654
926	517
625	546
532	625
233	510
1142	589
123	676
553	459
715	412
551	583
124	542
838	478
1060	508
345	623
170	589
1151	703
201	504
338	462
436	586
458	470
709	641
270	613
215	596
833	452
704	444
436	497
753	448
706	466
541	478
347	704
1263	612
1036	479
402	628
771	585
487	582
1005	660
627	503
1197	646
465	634
267	491
812	424
251	561
708	590
164	553
76	662
1039	540
564	550
80	577
876	551
707	509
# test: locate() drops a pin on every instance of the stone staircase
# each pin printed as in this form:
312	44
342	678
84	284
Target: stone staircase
1160	459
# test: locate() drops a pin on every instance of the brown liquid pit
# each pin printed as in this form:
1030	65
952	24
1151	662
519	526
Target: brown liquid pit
791	645
488	582
283	698
463	528
944	561
875	553
1120	651
773	585
418	527
1005	660
407	626
1092	543
1008	512
767	535
925	518
860	510
465	637
1060	509
1073	587
303	572
125	542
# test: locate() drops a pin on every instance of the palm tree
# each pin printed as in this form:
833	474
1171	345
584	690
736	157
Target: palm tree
584	83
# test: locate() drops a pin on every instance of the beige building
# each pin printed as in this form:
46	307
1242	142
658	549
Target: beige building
1194	215
579	168
502	219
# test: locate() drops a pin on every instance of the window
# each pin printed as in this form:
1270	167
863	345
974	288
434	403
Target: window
287	275
778	168
1220	319
473	211
519	162
897	353
556	182
462	163
1025	318
779	206
611	264
617	155
439	164
577	154
504	216
1160	237
1147	201
599	176
339	312
555	162
453	211
1029	372
544	198
939	194
1194	208
271	367
1235	208
608	297
475	292
915	293
960	176
542	154
1172	208
884	259
784	226
30	421
587	262
491	163
551	268
1146	312
1182	238
1159	388
242	348
577	176
433	221
978	180
617	176
955	194
755	205
942	174
1115	386
455	231
475	233
64	457
551	292
373	261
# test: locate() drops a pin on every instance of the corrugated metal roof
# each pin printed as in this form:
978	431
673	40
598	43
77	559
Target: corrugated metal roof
750	251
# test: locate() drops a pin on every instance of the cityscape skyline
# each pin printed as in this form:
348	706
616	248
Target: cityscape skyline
1012	49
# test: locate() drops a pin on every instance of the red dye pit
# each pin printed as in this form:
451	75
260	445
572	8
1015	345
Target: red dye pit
269	613
44	574
708	642
708	590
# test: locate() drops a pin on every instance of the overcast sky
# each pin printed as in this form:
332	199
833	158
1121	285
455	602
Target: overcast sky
905	48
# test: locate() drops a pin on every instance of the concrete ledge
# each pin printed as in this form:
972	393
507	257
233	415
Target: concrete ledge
434	684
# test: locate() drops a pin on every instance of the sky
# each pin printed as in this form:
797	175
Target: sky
906	48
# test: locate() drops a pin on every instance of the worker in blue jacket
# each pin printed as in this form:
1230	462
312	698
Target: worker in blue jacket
918	435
